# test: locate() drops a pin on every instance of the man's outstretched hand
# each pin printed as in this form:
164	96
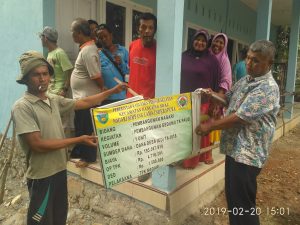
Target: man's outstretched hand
120	87
89	140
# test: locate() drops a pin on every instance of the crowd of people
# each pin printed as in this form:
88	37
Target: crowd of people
56	88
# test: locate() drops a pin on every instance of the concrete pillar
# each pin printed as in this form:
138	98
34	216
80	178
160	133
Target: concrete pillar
292	62
49	13
263	22
168	68
48	18
169	46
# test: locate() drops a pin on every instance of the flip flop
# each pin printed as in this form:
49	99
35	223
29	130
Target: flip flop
81	164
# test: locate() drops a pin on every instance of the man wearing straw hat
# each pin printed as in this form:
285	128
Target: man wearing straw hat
38	126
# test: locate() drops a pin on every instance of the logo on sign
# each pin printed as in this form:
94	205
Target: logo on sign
102	117
182	101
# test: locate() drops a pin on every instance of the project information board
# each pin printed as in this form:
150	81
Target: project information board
137	137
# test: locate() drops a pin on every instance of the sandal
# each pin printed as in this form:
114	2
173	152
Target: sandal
81	164
211	161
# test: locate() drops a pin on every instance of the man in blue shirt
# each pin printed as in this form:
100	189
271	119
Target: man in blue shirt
248	128
114	61
239	69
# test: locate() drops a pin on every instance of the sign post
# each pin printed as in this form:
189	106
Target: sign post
138	137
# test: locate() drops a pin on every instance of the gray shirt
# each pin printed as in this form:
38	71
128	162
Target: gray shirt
31	114
87	68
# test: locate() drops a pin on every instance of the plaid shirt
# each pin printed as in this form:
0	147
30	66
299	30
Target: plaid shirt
256	101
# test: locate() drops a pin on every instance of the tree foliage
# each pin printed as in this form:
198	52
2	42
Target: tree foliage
282	43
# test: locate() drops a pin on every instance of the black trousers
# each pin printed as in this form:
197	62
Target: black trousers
83	126
48	200
240	190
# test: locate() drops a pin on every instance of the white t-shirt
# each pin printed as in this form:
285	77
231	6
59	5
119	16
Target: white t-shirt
86	69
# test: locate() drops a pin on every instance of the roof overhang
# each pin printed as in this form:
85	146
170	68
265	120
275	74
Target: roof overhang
281	10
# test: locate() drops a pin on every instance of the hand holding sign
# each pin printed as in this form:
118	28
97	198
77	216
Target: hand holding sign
128	88
212	94
120	87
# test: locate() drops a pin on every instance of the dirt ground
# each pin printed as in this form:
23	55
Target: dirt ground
278	197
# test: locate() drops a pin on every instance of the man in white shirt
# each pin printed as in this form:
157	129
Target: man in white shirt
86	80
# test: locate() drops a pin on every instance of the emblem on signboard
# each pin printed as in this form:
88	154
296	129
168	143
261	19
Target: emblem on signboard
182	101
102	117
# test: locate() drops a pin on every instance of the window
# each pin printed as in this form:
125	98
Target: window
122	16
190	34
135	23
115	18
230	49
190	31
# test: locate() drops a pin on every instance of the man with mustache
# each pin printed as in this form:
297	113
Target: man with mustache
142	58
142	62
247	131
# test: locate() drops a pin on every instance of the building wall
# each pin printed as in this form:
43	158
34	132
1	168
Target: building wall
26	21
49	13
151	4
241	23
229	16
20	23
232	17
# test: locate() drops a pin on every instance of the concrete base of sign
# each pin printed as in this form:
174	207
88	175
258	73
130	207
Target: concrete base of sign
193	187
190	184
164	178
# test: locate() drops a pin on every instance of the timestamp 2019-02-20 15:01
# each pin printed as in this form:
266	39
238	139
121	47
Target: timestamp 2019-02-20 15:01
273	211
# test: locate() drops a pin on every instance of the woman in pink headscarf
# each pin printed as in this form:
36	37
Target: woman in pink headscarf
219	49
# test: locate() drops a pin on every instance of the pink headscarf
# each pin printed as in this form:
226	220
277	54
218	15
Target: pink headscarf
226	74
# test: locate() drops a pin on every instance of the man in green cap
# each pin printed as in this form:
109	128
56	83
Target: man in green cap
59	60
39	128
